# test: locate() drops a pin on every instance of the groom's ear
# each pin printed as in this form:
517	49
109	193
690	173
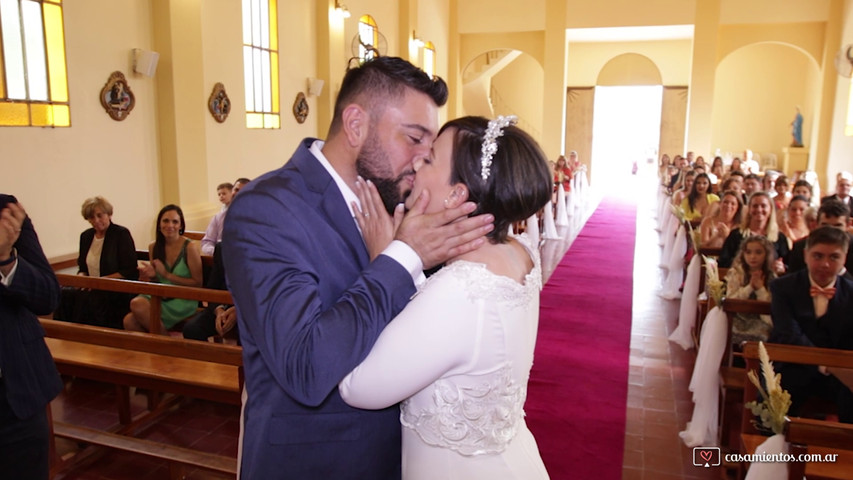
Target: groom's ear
458	195
355	125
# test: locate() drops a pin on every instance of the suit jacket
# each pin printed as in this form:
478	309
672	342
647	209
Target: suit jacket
834	196
28	371
797	257
310	306
795	323
118	254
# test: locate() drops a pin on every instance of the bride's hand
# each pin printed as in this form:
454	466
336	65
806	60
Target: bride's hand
377	227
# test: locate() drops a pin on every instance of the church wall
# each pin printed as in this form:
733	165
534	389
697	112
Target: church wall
520	88
672	58
52	171
841	146
757	90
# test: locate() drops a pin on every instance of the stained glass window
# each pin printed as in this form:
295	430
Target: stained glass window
260	63
33	75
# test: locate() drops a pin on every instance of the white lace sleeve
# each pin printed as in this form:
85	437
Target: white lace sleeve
433	334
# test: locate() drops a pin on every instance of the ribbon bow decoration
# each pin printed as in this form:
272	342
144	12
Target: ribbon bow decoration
828	292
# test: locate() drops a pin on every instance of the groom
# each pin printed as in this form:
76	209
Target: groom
311	303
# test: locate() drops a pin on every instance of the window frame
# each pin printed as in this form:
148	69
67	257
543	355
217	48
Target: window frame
22	110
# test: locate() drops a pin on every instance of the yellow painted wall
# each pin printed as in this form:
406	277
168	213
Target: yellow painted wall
519	87
841	146
672	58
52	171
757	90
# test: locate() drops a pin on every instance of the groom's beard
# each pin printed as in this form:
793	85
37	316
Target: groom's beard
373	164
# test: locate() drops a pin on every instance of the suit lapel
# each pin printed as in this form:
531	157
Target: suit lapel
323	193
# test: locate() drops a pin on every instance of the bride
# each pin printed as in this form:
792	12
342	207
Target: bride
459	355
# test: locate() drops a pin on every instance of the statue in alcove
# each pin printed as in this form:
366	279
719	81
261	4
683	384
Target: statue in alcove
797	129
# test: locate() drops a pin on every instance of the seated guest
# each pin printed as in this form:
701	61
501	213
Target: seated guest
699	198
783	196
717	168
738	178
748	279
723	217
804	189
680	194
842	190
682	166
830	214
213	234
792	220
216	318
175	260
735	166
106	250
812	308
751	184
768	183
563	174
760	220
223	191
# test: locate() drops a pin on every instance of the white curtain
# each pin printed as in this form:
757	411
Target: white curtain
675	265
532	230
769	470
549	227
689	304
705	384
562	216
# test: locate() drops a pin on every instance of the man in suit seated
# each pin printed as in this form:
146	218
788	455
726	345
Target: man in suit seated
844	180
813	308
217	318
830	214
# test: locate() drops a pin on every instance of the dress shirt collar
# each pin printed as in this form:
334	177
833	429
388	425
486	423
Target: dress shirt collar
349	196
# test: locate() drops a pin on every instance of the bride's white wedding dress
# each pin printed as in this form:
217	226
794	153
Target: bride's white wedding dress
459	357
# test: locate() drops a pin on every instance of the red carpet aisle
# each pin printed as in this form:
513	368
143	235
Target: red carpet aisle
578	387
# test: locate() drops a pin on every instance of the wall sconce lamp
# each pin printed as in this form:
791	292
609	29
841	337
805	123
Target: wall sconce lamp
341	9
315	86
416	41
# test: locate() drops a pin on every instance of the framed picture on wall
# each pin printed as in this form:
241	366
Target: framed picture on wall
116	97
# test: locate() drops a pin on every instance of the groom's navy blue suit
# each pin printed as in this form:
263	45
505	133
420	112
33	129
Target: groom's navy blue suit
310	306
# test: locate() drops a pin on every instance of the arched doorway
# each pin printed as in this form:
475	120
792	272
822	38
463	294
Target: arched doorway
626	120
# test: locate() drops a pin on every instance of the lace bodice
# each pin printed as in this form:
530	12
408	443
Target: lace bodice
472	420
480	283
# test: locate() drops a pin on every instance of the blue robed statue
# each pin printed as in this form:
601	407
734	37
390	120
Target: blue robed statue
797	130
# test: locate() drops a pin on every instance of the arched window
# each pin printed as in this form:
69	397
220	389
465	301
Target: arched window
260	63
368	36
33	75
429	59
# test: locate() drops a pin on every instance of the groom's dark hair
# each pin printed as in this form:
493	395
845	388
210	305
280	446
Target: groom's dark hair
373	83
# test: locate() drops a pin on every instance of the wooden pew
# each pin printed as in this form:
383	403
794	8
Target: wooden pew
194	235
162	364
157	291
805	435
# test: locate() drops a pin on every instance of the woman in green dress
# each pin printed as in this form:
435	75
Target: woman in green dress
175	260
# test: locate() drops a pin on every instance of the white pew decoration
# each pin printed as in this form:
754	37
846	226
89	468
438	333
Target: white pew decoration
683	334
562	216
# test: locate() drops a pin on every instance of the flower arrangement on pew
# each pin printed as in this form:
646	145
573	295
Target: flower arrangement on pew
772	410
716	287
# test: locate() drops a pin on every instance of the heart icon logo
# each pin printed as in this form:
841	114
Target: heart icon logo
706	455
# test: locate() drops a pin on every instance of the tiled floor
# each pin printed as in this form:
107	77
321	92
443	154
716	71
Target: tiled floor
658	400
659	403
204	426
